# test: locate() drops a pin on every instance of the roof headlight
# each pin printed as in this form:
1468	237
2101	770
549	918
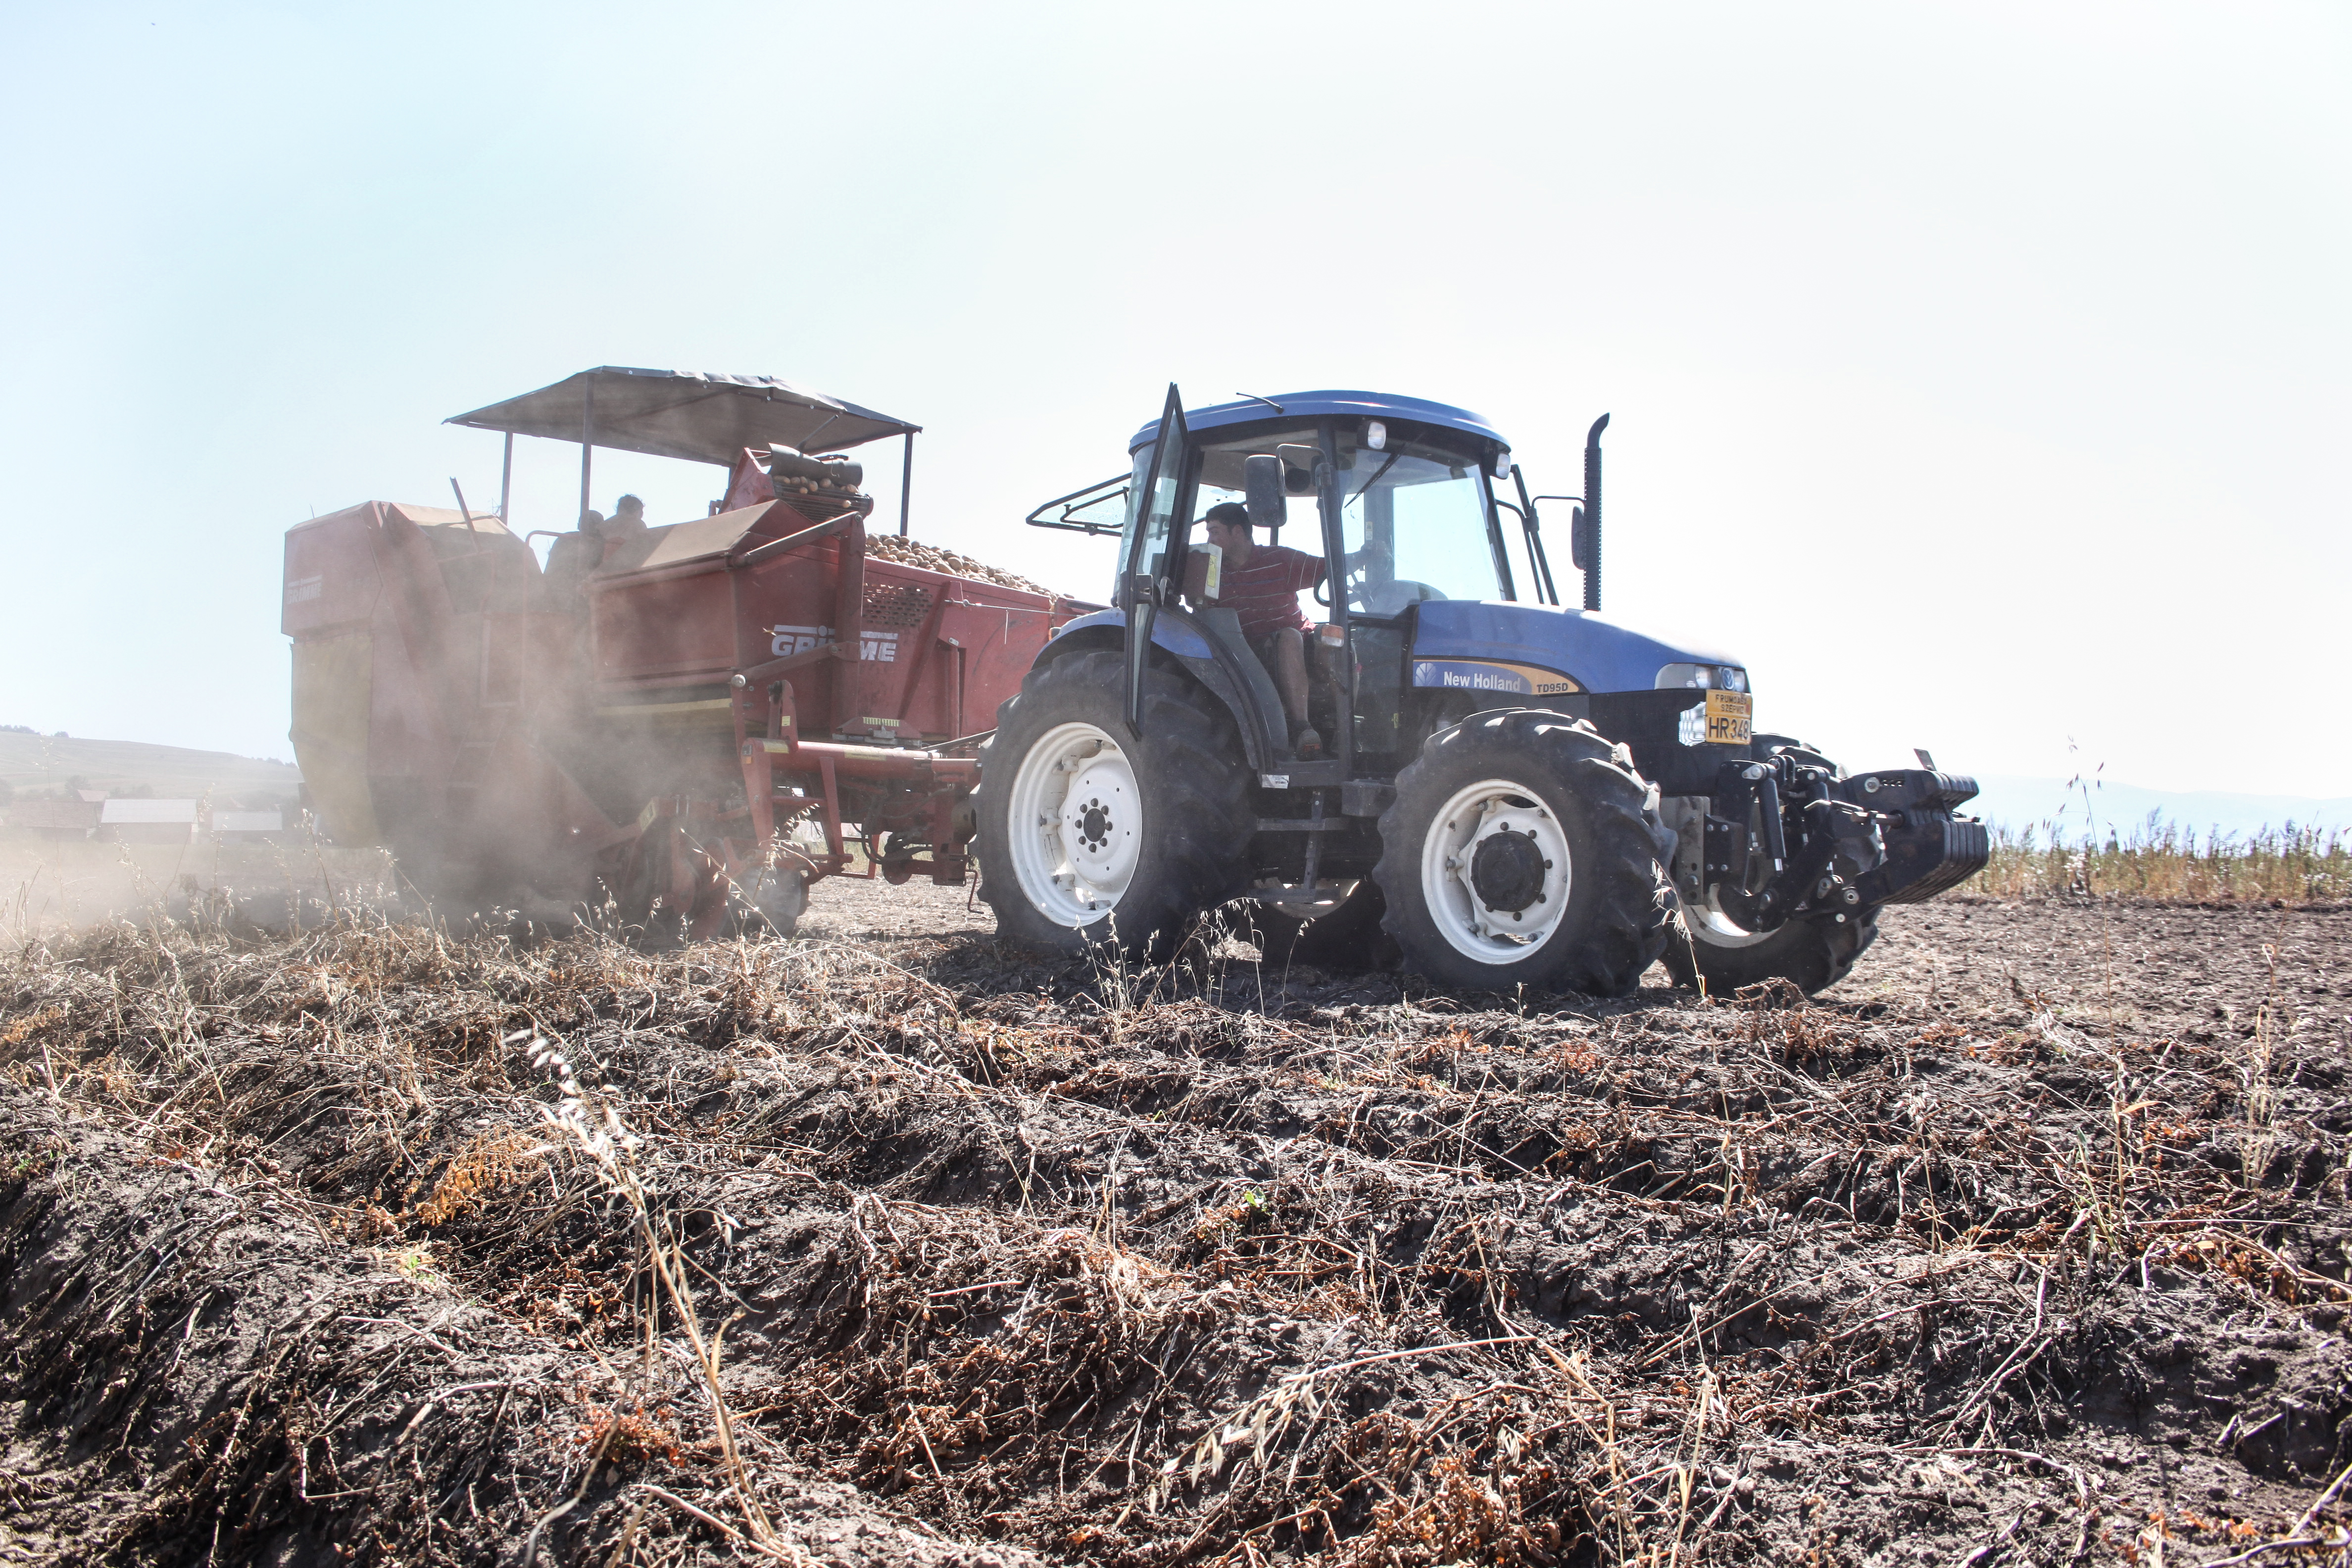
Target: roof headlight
1376	434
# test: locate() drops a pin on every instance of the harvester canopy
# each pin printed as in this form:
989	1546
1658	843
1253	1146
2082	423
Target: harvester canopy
701	417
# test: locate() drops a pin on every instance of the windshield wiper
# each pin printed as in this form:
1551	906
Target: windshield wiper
1384	468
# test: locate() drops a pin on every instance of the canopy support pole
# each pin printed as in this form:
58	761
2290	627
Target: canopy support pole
905	483
587	444
506	478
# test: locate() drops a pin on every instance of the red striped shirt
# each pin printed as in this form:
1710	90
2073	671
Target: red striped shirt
1264	592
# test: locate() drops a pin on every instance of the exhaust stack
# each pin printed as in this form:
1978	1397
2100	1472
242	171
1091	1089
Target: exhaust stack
1586	537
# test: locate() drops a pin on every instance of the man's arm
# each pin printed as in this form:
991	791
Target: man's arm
1304	569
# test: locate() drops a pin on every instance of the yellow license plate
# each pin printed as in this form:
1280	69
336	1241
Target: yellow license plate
1729	718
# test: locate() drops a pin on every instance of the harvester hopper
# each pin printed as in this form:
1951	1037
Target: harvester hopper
685	723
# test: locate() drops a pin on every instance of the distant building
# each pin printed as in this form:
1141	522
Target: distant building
147	821
248	827
56	821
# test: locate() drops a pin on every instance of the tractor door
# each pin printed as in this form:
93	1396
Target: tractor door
1151	575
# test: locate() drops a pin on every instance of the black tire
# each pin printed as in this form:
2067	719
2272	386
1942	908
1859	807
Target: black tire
645	899
1613	925
1346	936
1811	952
768	902
1190	823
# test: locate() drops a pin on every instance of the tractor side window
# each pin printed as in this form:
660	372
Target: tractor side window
1222	479
1413	520
1135	502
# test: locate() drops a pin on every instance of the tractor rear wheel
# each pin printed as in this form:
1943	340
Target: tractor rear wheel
1521	851
1090	837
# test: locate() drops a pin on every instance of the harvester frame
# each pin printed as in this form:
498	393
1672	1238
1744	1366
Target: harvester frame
650	719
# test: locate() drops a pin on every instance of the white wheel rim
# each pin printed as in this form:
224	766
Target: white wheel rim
1075	819
1473	816
1710	925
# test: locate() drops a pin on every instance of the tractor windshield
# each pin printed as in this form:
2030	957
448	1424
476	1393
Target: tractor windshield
1415	514
1414	523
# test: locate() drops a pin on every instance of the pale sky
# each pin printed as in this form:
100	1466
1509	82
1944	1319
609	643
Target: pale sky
1979	374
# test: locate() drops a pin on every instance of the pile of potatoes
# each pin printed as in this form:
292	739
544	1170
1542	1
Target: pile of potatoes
931	558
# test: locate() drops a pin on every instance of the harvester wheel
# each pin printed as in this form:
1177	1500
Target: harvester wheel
1091	838
667	888
1521	851
769	901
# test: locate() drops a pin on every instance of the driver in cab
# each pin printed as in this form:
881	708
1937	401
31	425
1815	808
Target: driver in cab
1261	582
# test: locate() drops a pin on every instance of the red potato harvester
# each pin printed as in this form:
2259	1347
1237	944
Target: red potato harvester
686	724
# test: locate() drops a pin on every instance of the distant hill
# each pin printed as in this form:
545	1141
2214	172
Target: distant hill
49	762
2019	803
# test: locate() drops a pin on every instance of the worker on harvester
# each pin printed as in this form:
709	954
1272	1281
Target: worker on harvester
627	524
1261	582
600	541
569	559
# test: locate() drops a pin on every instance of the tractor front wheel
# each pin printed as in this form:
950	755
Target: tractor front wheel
1521	851
1810	952
1090	836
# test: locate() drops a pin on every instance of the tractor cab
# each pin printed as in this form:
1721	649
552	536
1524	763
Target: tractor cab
1436	595
1405	501
1414	507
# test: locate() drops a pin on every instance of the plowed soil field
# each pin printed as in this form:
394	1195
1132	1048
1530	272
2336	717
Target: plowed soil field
886	1244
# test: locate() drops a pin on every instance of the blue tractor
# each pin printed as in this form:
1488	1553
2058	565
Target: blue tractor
1508	791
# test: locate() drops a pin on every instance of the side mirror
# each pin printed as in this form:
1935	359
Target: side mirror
1262	483
1580	541
1298	467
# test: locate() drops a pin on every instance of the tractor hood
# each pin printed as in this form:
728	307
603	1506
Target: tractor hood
1600	655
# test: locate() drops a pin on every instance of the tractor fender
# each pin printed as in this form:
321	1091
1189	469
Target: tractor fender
1108	628
1188	650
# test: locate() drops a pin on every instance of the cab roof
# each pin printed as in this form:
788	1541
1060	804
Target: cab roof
1316	405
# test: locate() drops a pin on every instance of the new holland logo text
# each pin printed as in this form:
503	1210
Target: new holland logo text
1485	674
